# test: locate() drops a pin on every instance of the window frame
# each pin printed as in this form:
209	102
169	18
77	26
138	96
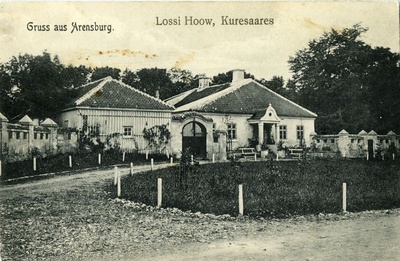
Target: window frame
282	130
232	131
127	131
299	132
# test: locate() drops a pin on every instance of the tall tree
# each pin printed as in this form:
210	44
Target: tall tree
102	72
336	76
152	80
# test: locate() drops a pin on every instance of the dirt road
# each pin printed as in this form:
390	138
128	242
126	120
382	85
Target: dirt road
72	218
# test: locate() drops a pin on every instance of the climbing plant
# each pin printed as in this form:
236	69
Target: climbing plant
157	136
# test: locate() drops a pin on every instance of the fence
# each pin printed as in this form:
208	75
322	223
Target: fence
359	145
20	141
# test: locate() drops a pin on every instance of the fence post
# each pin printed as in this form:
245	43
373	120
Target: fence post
277	156
367	156
115	175
147	154
70	161
99	159
240	199
152	163
123	156
167	152
0	168
344	203
255	157
159	193
118	184
213	158
191	159
393	156
131	168
34	163
171	161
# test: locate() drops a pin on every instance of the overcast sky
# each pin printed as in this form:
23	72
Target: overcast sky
137	42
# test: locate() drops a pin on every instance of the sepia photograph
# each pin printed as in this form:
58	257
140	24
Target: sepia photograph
200	130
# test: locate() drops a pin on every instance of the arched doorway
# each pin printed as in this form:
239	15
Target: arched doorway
194	137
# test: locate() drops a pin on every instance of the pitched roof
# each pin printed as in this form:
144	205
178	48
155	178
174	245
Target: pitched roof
245	96
110	93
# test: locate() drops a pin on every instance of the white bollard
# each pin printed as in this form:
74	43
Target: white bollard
344	197
70	161
159	192
99	159
213	158
277	156
131	169
34	163
152	163
240	199
123	156
234	157
255	157
0	168
393	156
115	175
118	185
191	159
367	156
171	161
147	154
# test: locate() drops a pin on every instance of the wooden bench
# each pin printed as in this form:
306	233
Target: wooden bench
245	153
296	152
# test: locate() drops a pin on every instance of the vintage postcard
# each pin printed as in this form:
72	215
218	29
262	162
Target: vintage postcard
268	130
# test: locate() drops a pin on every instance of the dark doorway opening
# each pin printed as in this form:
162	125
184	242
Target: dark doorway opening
194	138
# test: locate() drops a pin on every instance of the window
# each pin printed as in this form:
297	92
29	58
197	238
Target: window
69	136
332	140
10	135
128	131
35	135
17	135
25	135
300	132
232	131
41	136
47	136
282	132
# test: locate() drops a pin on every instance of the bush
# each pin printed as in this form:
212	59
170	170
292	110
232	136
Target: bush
272	189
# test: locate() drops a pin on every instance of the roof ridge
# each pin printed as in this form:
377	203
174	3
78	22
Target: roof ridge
286	99
215	96
143	93
94	90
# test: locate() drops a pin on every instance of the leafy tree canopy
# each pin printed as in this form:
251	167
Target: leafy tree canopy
349	84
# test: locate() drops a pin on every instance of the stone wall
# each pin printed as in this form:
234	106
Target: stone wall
22	140
356	145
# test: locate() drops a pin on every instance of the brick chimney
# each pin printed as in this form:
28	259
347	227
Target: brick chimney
237	75
157	94
204	82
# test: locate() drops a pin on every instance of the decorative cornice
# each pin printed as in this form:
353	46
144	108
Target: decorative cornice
188	115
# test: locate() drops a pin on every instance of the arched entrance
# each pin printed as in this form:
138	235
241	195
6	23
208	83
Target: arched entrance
194	137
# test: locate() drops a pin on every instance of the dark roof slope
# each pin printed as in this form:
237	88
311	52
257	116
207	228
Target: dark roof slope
196	95
110	93
251	98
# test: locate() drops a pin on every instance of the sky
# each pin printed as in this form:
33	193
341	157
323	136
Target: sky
136	40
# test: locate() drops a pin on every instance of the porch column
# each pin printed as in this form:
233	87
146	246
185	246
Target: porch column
261	132
276	133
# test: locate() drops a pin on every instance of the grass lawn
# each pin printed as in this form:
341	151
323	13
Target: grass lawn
271	189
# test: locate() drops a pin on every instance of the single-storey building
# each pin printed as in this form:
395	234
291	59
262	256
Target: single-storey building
108	107
212	119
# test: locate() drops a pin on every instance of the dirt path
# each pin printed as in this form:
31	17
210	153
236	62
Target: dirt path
74	220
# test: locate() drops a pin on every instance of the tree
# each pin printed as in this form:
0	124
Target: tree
153	80
102	72
32	84
336	76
